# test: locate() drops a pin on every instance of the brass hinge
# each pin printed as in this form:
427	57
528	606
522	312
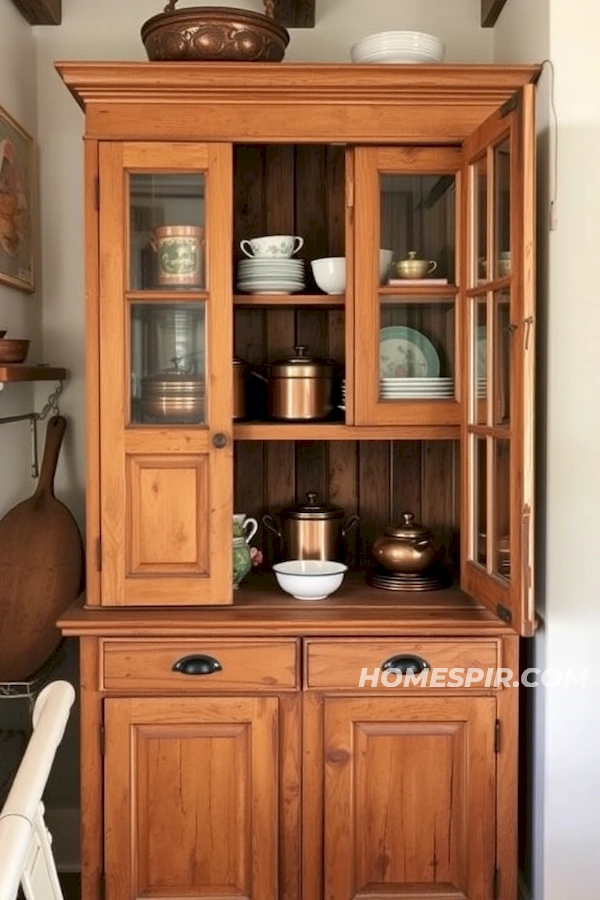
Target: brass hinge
496	887
511	104
102	741
99	554
497	735
97	193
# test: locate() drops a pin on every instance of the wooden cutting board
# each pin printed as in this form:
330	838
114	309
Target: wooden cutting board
41	565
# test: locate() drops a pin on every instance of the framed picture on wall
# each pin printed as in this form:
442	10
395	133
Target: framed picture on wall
16	189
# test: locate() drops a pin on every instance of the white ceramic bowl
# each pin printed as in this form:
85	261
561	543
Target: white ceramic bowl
398	46
385	261
310	579
330	274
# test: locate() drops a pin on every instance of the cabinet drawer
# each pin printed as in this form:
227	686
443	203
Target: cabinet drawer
262	665
332	664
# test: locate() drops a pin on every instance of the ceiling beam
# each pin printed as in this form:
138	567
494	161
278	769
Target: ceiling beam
295	13
40	12
490	10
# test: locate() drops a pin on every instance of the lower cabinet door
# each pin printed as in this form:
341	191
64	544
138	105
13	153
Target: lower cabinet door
409	806
191	799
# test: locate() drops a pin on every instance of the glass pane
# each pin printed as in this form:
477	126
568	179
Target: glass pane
418	226
480	499
502	210
502	335
166	232
502	508
480	364
168	358
480	201
416	350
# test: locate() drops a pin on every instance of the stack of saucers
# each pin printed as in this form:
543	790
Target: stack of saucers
482	388
271	276
416	388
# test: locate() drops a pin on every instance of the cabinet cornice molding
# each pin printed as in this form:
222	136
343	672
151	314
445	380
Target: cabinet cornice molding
40	12
91	82
249	101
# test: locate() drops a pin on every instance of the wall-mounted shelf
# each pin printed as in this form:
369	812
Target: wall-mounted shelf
14	372
22	372
289	300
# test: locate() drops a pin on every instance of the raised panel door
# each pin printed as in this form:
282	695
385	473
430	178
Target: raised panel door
409	803
166	444
191	798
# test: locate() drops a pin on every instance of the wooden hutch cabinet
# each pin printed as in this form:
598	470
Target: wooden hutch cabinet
228	747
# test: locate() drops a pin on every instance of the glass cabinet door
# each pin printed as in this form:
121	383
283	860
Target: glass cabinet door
166	426
406	311
498	431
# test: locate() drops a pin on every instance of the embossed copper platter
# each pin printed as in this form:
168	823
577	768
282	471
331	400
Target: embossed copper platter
213	34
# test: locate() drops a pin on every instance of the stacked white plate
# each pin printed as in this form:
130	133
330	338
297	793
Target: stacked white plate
342	405
398	47
271	276
416	388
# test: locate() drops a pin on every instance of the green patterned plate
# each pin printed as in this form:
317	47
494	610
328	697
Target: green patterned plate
406	353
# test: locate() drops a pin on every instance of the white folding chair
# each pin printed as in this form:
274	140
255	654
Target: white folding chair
25	842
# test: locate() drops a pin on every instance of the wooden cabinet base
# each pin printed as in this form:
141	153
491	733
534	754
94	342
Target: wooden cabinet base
332	792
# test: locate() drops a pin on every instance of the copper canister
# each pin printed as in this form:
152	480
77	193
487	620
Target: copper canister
300	387
312	530
239	388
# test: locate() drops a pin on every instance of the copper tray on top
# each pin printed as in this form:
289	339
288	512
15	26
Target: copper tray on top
215	34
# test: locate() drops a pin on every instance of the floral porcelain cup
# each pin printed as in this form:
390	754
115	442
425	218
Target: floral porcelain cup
272	246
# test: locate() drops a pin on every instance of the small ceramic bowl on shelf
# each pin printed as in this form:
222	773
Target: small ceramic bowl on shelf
309	579
13	350
330	274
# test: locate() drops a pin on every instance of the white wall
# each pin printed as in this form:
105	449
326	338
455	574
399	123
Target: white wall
19	312
572	778
566	732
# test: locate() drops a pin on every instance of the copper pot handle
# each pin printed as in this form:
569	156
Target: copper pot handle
269	522
351	523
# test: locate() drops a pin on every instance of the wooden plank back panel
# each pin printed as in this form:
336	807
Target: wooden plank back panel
406	479
374	494
378	480
441	496
343	489
312	469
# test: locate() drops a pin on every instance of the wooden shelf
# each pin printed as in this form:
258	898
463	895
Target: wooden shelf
289	300
261	607
22	372
339	431
419	293
160	295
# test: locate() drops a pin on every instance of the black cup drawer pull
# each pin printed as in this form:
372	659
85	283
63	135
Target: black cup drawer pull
405	664
197	664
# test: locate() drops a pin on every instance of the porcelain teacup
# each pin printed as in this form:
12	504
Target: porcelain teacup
272	246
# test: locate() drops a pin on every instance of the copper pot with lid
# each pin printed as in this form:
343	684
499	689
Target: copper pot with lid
312	530
300	387
405	548
173	396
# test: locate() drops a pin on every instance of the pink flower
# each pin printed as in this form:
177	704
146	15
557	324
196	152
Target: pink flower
256	556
